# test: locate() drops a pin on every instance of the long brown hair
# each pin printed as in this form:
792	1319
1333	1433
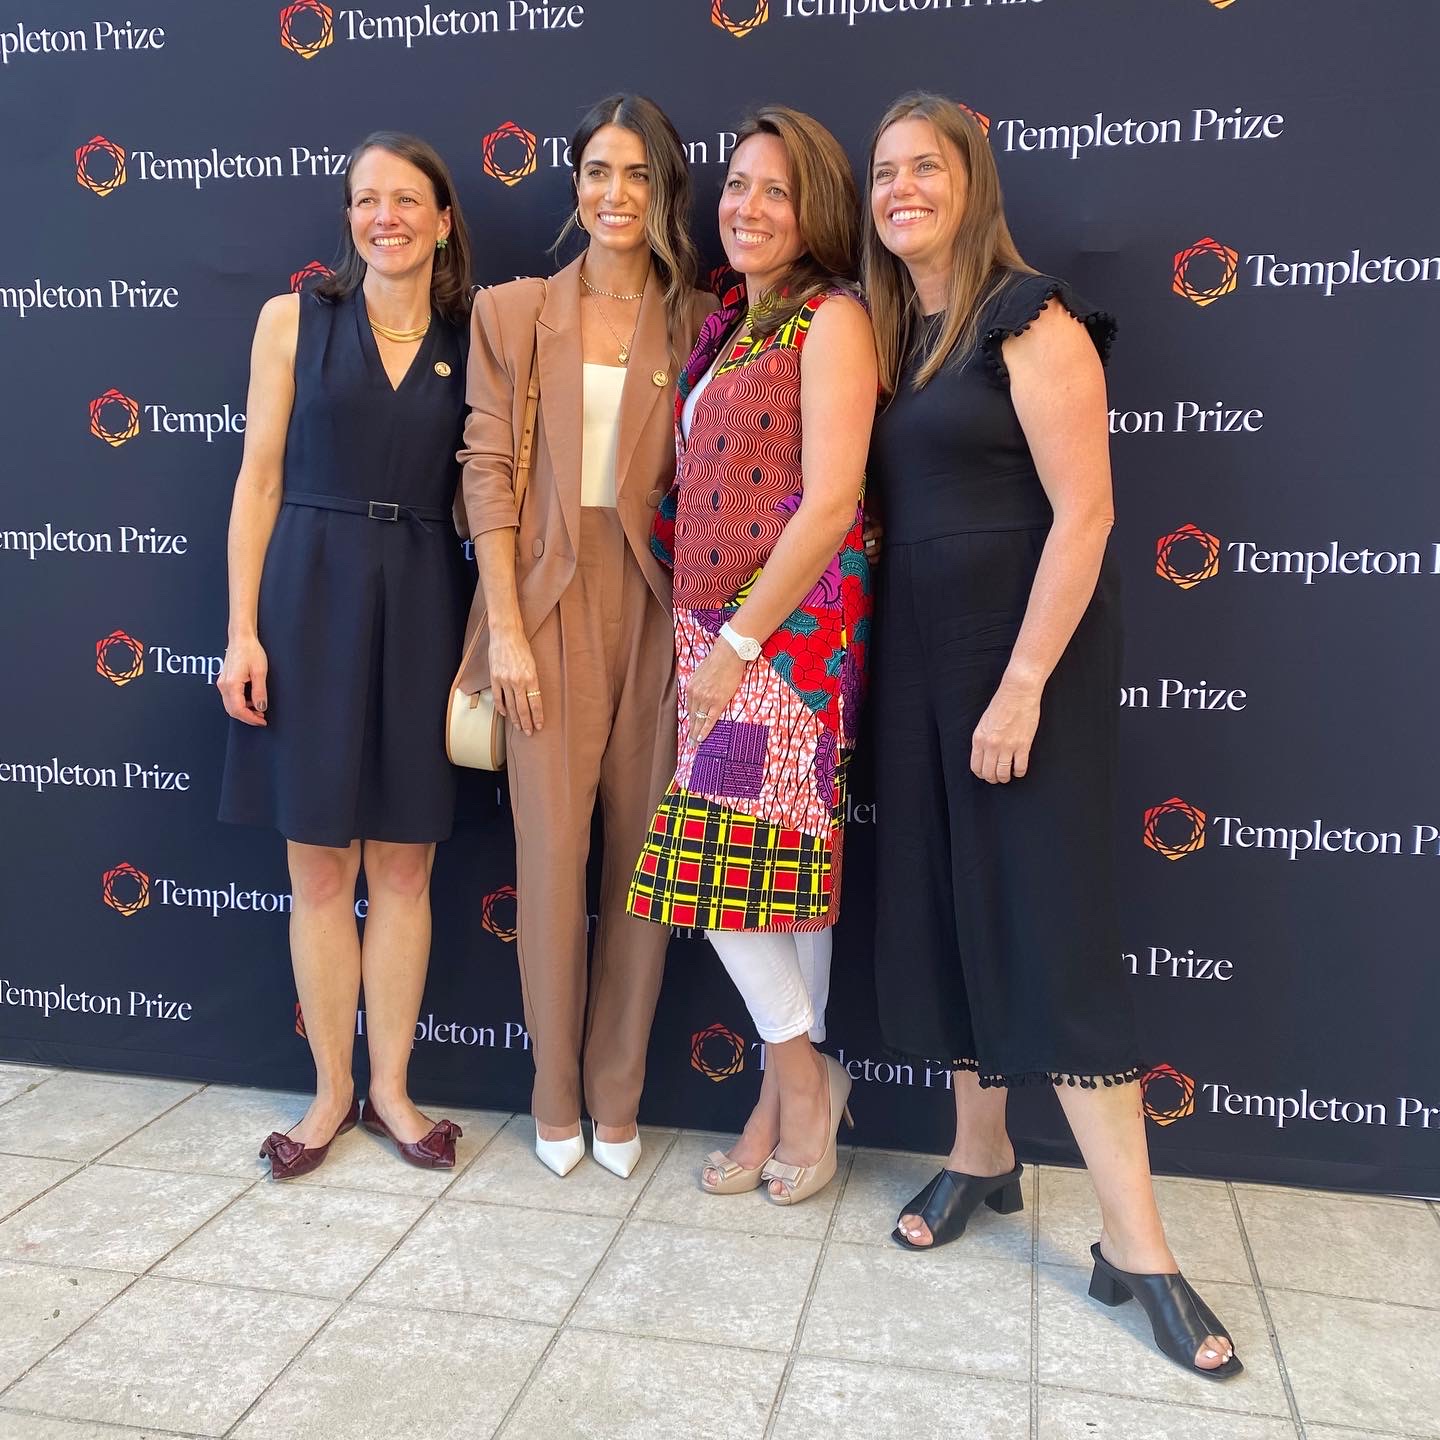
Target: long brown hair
826	204
983	255
450	279
667	222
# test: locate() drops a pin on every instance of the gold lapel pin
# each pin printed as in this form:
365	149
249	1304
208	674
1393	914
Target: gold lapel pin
441	369
660	377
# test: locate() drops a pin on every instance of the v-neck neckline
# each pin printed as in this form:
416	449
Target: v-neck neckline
371	347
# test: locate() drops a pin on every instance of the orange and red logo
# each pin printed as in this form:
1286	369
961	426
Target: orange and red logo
1166	1095
316	269
1198	558
509	136
300	1022
1205	271
100	165
1222	4
307	27
114	418
1175	829
120	658
983	121
717	1052
497	913
125	889
754	12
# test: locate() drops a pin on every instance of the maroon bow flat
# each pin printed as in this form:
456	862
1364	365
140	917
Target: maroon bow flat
289	1158
435	1150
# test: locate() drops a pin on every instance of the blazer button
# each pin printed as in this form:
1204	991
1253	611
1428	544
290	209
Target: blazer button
654	498
537	548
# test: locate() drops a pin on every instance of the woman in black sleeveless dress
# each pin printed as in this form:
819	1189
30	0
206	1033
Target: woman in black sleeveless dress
347	599
994	707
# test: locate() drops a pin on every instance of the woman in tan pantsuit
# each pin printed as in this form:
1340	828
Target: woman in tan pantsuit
581	656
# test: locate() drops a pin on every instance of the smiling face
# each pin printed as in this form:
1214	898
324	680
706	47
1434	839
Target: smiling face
759	226
918	188
612	189
394	217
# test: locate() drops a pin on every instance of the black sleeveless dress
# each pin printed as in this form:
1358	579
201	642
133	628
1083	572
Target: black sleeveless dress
362	605
997	943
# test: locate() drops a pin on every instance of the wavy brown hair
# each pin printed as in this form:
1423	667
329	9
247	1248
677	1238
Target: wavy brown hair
984	251
450	279
826	203
667	221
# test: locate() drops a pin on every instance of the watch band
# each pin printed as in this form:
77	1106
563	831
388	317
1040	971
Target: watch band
746	648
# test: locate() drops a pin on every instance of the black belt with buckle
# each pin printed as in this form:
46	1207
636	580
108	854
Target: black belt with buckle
389	510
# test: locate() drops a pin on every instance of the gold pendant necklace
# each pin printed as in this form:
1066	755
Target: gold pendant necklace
623	344
400	337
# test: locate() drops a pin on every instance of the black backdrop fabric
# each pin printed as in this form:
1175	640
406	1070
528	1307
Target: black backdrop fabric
1247	184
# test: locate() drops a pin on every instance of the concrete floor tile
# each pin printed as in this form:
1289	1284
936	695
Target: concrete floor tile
75	1117
843	1401
953	1310
172	1355
1086	1344
1072	1415
283	1237
675	1196
1341	1247
594	1386
17	1079
40	1305
713	1286
381	1374
880	1184
114	1219
217	1131
509	1174
1199	1223
23	1178
14	1426
493	1260
361	1161
1356	1195
1358	1363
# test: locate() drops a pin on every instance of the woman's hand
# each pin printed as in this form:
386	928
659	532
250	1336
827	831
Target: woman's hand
1000	747
514	681
712	687
245	667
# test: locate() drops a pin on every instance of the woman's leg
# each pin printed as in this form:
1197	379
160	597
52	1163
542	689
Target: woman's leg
1109	1128
394	958
325	953
982	1146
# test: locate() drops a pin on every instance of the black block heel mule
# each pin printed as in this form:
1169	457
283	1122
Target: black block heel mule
1179	1319
950	1199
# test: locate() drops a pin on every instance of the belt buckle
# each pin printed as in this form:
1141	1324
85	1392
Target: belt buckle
384	510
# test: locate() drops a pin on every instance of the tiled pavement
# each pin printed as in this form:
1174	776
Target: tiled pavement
153	1283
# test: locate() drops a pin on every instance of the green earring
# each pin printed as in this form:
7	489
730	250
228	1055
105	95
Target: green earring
442	242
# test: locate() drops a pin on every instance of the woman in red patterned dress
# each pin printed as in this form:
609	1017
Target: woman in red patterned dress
771	617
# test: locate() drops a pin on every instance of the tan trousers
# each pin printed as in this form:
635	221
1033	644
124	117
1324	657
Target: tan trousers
606	662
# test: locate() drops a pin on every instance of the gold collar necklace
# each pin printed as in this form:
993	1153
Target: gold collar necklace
400	337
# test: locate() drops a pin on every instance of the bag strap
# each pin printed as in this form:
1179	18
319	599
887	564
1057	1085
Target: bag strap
532	410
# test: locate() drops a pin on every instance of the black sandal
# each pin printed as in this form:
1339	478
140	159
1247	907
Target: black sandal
1179	1319
950	1199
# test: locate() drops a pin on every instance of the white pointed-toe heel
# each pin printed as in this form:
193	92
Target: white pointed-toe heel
619	1157
561	1156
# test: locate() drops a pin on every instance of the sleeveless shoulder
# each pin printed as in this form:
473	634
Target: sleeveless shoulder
1018	304
799	327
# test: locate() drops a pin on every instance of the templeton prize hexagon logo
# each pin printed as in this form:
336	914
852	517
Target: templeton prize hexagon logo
1175	829
983	121
307	27
300	1022
717	1052
497	914
1166	1095
100	165
315	270
1187	556
114	418
120	658
125	889
739	17
509	153
1205	271
1222	4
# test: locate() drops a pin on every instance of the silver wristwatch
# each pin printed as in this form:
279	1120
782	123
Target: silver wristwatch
745	648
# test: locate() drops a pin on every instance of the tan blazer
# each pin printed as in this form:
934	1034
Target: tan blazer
536	321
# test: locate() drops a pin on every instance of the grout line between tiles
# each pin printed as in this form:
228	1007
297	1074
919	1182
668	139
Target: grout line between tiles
141	1430
364	1279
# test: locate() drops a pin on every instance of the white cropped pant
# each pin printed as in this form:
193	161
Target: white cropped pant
783	977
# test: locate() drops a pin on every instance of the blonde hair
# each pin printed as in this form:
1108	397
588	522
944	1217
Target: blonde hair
984	250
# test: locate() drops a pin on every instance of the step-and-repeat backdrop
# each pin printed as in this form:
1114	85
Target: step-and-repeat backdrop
1248	184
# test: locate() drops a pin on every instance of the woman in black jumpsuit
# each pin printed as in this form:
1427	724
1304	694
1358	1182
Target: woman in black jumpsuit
342	650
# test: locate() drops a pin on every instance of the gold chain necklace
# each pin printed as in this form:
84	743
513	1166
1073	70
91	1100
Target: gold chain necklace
608	294
400	337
